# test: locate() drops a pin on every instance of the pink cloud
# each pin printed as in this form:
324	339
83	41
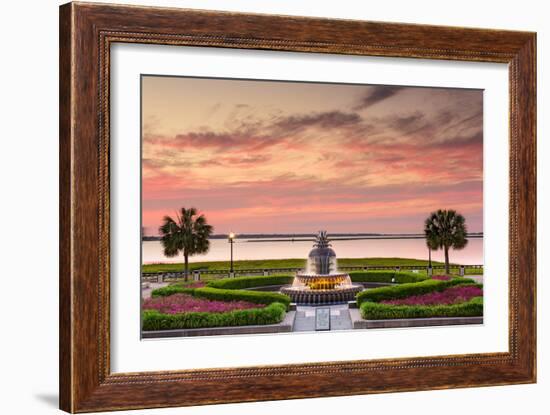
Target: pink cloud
347	169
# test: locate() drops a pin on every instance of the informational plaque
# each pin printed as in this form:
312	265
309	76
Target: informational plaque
322	319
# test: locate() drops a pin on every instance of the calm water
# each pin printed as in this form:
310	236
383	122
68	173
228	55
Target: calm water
384	248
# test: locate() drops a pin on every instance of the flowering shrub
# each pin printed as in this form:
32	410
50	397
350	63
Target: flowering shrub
453	295
183	303
258	297
209	293
395	292
441	277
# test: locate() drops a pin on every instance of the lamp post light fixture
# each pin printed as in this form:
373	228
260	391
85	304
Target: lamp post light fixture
231	241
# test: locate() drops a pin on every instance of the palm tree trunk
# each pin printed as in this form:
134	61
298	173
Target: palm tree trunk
186	273
446	260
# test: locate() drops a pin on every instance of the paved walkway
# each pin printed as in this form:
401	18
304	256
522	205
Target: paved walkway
339	317
150	286
476	278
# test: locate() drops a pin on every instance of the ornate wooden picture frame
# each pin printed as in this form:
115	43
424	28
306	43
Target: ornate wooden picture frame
87	32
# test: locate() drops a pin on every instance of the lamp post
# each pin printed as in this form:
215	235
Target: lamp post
430	261
231	241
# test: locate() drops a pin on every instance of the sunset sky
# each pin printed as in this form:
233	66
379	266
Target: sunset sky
286	157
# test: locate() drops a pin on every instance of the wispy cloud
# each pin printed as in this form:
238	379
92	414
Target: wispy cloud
377	94
324	120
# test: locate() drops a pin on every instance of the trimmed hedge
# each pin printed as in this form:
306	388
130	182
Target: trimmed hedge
154	320
379	311
248	282
401	277
172	289
258	297
210	293
406	290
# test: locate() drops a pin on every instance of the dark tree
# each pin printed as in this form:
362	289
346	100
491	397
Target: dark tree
445	229
187	233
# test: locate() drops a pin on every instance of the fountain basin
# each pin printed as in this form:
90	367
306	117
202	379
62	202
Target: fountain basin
309	288
308	296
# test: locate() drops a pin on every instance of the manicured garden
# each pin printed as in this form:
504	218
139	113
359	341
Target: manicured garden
452	295
220	294
441	296
235	301
220	303
185	303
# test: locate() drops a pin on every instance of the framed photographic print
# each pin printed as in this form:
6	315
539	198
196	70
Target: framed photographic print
304	207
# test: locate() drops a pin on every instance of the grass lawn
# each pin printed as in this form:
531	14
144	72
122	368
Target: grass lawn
224	265
293	263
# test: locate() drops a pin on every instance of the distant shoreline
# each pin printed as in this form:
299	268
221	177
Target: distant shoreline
306	236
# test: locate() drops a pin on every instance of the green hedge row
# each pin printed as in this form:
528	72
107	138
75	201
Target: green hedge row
210	293
406	290
171	289
399	277
154	320
379	311
258	297
249	282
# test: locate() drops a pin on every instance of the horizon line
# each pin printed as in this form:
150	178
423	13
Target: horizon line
298	235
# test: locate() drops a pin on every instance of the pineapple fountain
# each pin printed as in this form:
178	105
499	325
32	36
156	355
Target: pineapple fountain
321	283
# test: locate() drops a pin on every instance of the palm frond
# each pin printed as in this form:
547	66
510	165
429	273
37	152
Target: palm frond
445	228
188	233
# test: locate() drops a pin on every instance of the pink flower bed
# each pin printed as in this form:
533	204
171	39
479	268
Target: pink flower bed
453	295
183	303
441	277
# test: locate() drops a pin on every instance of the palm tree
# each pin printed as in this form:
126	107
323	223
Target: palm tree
445	229
187	233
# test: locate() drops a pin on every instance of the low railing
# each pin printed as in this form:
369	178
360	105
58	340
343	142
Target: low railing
196	274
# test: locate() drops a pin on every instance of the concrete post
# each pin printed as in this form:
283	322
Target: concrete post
231	274
462	270
160	278
266	273
430	271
